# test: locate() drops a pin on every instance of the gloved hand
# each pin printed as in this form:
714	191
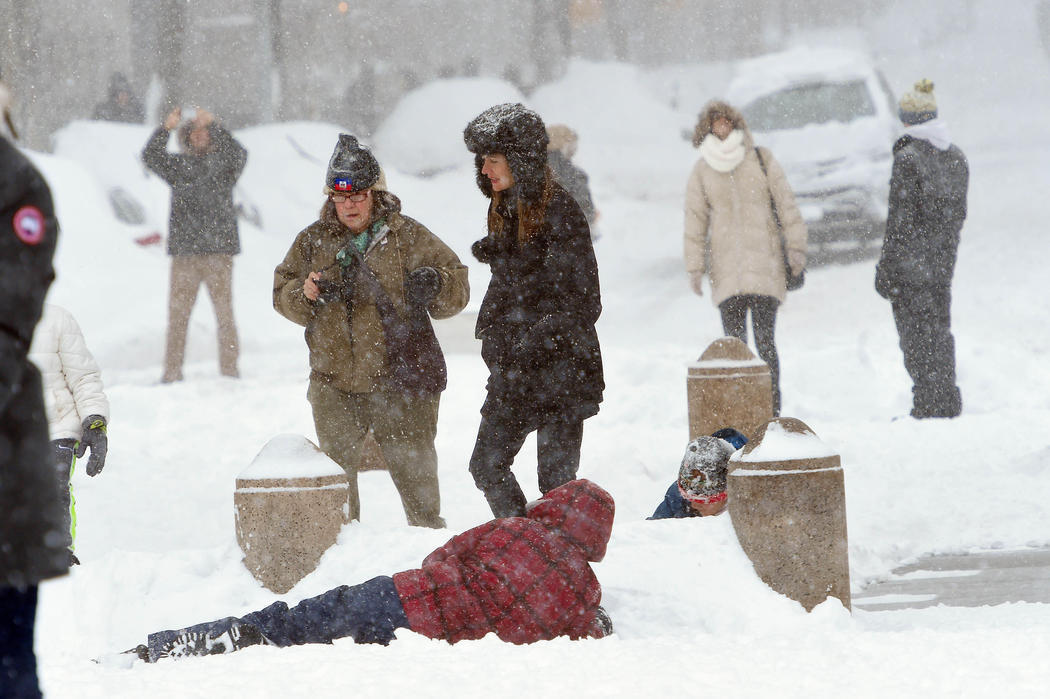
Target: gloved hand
422	285
797	261
94	438
696	282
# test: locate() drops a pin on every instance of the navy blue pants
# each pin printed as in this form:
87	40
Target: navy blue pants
17	661
369	613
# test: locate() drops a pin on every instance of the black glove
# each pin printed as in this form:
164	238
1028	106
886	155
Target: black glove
422	285
94	438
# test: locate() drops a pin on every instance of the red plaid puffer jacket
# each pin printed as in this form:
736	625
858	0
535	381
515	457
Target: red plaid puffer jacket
525	578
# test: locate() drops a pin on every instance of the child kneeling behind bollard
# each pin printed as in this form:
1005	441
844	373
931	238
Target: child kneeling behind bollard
700	490
525	579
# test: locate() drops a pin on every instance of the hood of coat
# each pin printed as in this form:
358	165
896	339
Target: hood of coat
581	512
517	133
711	112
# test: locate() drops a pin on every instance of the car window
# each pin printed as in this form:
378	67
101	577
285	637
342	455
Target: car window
813	103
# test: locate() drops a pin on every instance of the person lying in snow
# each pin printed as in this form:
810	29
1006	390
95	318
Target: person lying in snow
700	490
525	579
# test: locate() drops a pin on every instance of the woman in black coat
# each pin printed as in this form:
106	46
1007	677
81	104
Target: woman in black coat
536	322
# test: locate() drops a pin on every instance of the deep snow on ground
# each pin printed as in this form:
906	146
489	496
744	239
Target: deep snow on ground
156	530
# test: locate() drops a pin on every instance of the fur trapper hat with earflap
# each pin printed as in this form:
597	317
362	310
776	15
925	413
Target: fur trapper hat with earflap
710	114
918	105
517	133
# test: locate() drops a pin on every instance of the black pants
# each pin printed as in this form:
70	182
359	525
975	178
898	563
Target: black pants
368	613
763	326
923	318
17	661
64	460
499	441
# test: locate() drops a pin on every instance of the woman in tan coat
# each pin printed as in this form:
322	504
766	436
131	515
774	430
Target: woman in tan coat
731	234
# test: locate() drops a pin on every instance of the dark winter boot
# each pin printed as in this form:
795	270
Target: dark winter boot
187	642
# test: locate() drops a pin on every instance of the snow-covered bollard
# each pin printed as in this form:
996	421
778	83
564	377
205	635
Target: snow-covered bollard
728	387
290	504
788	505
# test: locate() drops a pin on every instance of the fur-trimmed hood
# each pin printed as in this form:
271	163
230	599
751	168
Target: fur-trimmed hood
519	134
710	113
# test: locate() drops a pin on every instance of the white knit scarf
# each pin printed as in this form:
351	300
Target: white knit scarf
725	155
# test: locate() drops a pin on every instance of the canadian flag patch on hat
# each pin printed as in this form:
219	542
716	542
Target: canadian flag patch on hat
29	225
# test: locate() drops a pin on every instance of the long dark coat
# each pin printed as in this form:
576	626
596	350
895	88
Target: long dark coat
203	218
927	207
32	532
536	322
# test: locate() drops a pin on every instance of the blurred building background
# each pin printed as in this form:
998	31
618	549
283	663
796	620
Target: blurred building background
255	61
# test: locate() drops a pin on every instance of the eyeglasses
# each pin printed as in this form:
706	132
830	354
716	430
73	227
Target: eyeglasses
355	197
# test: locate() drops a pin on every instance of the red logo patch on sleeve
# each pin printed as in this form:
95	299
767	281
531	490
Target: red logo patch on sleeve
29	225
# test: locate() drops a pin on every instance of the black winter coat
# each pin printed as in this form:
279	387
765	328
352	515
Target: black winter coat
927	208
32	531
574	181
536	322
203	218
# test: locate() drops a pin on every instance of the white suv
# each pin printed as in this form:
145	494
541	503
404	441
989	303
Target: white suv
830	119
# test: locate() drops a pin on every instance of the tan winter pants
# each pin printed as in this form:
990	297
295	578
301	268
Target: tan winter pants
188	272
404	427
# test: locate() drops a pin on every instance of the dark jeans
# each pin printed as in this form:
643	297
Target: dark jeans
368	613
763	326
923	318
17	661
499	441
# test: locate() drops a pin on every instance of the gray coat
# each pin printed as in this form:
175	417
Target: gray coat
32	531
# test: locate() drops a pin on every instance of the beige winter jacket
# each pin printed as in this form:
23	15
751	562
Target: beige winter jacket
352	356
728	215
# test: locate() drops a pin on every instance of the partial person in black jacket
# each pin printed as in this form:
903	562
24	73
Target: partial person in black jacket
927	208
202	229
121	104
536	322
560	149
32	531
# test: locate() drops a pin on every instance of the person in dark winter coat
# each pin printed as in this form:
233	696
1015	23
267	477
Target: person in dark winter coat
121	103
202	229
354	386
32	533
700	490
560	149
536	322
927	208
526	579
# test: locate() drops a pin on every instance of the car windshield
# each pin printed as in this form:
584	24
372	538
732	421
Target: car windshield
814	103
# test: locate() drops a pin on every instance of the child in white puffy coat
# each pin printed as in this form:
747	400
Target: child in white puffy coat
77	407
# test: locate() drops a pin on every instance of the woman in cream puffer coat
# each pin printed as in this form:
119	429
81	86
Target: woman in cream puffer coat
730	232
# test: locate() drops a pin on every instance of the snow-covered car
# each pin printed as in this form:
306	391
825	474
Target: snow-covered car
830	119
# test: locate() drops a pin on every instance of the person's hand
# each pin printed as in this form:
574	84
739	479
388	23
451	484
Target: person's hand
696	282
310	288
172	120
204	118
422	285
94	438
796	261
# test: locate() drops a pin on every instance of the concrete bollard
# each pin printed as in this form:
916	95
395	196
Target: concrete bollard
728	387
290	504
788	505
